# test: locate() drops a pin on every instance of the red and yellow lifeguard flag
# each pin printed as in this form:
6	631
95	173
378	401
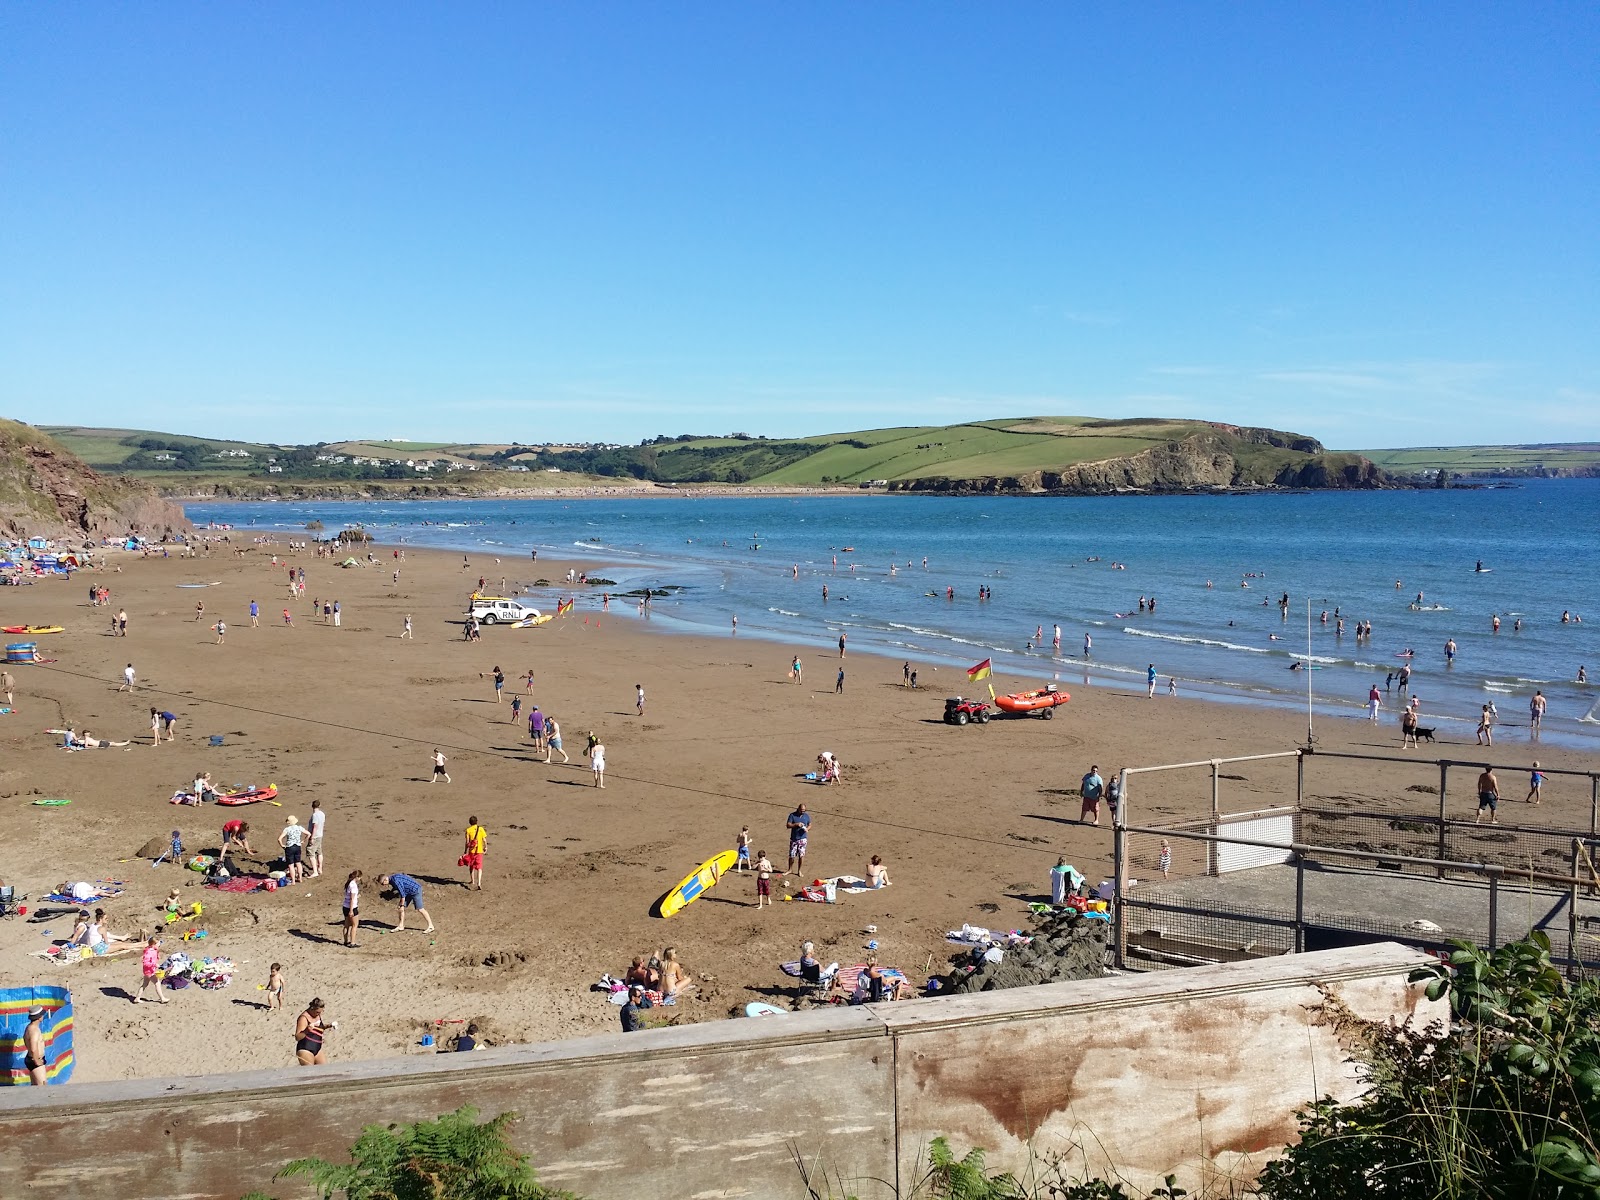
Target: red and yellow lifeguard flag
563	608
981	671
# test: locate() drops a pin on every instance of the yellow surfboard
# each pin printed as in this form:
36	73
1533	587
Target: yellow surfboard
703	879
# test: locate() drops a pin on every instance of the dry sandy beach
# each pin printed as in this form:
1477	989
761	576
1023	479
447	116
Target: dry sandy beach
969	820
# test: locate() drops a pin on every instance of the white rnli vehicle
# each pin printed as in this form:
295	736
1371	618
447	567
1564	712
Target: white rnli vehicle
500	610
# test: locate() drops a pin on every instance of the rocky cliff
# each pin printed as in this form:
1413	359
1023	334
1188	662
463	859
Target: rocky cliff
1218	457
47	491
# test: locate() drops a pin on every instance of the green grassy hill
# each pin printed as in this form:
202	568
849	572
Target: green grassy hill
1060	453
1560	457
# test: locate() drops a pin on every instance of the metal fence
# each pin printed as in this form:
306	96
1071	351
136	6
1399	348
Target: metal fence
1341	870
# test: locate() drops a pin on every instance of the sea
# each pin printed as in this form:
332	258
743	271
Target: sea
903	576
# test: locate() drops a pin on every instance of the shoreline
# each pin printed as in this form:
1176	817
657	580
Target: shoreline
969	820
905	637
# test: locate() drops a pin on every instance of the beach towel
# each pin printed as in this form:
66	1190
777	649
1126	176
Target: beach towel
848	977
851	883
64	898
64	955
57	1031
239	884
184	798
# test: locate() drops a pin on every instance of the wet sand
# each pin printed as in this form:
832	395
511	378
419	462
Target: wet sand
969	820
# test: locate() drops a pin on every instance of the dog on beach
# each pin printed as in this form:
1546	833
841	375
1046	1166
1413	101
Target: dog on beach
1425	732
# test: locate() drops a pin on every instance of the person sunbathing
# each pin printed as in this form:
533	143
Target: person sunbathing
674	979
877	873
873	986
639	974
90	742
84	893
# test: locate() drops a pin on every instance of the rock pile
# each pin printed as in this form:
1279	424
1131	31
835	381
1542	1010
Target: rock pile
1065	946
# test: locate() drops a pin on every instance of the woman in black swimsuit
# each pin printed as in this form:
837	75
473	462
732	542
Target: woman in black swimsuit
308	1033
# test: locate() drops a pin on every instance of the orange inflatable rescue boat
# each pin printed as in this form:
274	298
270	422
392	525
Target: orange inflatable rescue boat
1044	701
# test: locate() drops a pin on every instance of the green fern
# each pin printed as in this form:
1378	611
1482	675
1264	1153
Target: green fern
452	1158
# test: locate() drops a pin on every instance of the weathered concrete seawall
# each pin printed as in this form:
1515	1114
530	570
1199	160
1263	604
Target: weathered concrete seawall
1197	1071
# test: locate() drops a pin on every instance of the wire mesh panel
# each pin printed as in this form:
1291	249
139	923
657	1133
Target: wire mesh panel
1163	933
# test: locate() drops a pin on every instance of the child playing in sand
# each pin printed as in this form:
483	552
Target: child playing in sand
172	904
275	987
763	880
741	846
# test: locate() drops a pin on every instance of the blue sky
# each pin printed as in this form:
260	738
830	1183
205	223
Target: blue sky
1377	224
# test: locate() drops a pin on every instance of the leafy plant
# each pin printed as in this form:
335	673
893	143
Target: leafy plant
1504	1103
452	1158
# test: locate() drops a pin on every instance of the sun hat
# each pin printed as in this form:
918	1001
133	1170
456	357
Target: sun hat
290	819
36	1011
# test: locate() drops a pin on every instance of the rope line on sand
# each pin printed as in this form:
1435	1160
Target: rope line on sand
677	787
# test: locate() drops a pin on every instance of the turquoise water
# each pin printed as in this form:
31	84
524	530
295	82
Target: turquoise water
1333	550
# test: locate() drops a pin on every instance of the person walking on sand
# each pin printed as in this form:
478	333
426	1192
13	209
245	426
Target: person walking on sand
352	908
638	698
337	611
1164	863
255	615
409	892
905	674
597	763
127	679
536	727
841	645
1535	784
149	964
1536	708
1092	789
516	710
1150	679
838	684
319	821
741	848
799	834
122	622
34	1060
200	611
221	628
795	670
763	880
8	685
552	740
309	1032
1485	727
499	682
438	766
1374	703
288	619
274	988
405	630
293	839
1488	797
477	844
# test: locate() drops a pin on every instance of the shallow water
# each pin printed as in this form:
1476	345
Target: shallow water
1331	550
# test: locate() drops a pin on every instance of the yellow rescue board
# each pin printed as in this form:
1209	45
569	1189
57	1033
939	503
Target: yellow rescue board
697	884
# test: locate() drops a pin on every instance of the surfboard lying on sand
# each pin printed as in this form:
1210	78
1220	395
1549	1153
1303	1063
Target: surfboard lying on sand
698	883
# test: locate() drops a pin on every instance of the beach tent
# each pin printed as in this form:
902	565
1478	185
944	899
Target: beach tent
14	1005
349	562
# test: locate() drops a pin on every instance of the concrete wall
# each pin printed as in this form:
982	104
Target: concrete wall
1197	1071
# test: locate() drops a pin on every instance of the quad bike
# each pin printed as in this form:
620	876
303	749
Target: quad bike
958	711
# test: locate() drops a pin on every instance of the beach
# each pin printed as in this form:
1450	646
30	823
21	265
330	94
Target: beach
969	820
